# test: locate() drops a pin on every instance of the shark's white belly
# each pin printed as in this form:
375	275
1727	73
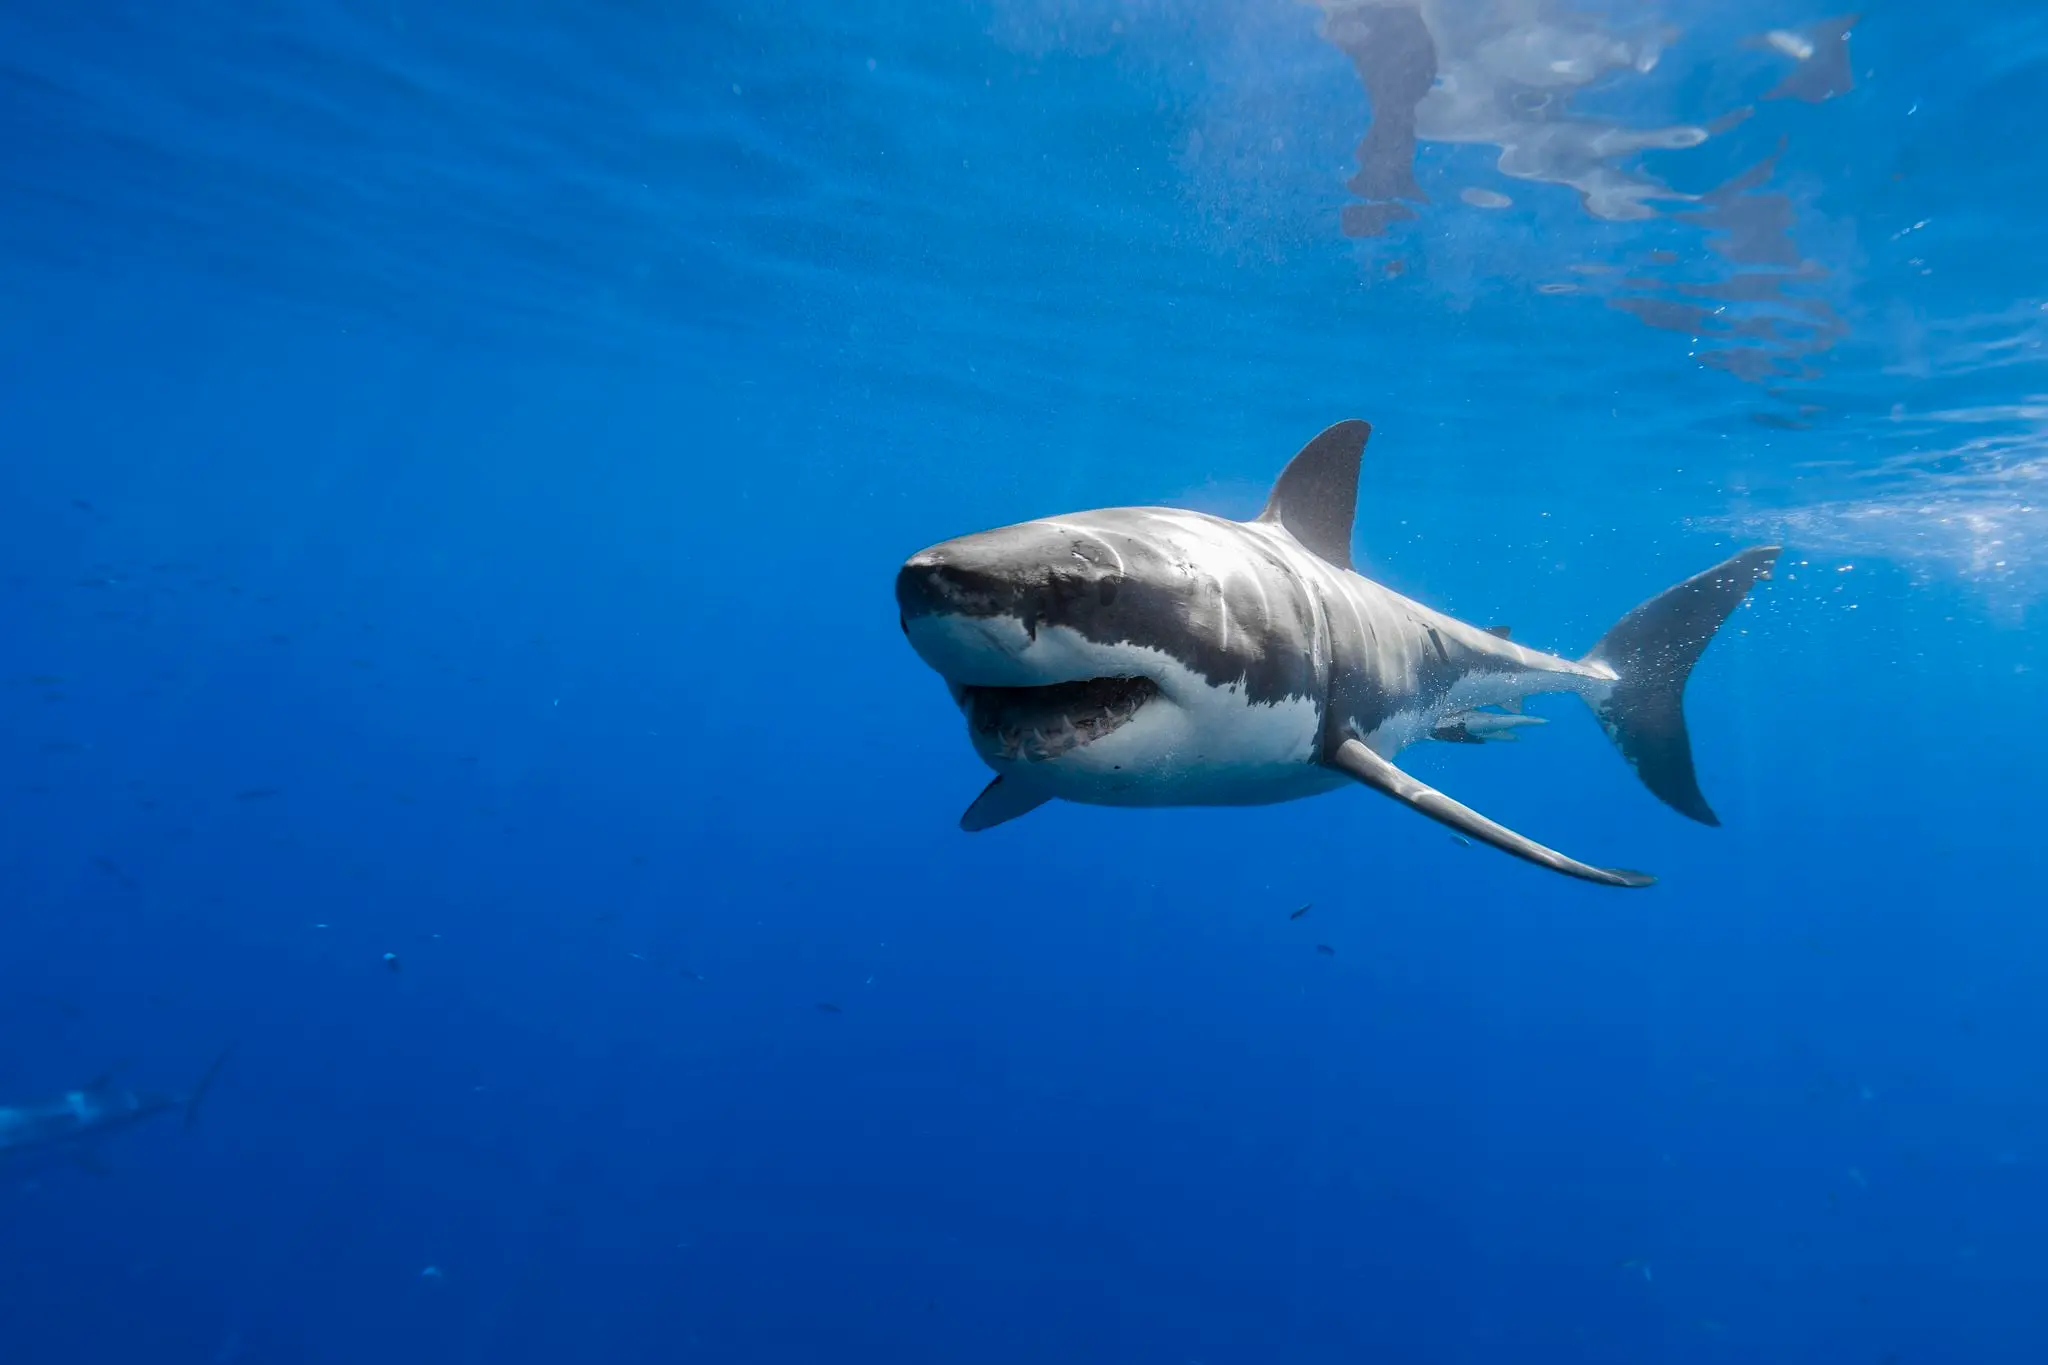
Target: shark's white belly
1196	744
1221	752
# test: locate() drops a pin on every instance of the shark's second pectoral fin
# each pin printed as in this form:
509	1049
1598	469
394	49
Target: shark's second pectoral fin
1000	801
1355	760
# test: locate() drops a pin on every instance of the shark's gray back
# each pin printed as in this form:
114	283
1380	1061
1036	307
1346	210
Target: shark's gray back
1247	606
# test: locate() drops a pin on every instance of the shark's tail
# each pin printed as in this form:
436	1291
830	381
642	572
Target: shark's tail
193	1100
1652	651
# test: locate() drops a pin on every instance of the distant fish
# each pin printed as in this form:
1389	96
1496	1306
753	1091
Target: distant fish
1461	841
1326	950
1303	911
113	869
827	1007
258	793
391	962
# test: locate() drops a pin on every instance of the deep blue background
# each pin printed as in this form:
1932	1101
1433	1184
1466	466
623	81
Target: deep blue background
453	461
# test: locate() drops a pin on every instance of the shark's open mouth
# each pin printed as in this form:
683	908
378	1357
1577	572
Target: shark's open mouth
1039	723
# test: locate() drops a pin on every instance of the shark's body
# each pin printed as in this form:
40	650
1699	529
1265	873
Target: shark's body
1156	657
71	1123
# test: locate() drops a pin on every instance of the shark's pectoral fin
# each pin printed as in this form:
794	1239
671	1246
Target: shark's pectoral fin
1000	801
1354	760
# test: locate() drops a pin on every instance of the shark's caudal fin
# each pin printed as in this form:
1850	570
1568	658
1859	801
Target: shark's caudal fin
1652	651
198	1094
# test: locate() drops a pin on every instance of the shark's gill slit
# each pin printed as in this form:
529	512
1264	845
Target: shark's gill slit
1038	723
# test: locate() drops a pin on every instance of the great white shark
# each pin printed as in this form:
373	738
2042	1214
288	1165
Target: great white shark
1148	656
72	1123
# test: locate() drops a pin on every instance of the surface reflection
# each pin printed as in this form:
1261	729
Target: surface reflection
1505	74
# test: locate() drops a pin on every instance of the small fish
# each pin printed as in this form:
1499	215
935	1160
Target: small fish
113	869
827	1007
258	793
1461	841
1326	950
391	962
82	505
1303	911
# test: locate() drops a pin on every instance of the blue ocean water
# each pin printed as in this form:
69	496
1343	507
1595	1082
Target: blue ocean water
456	460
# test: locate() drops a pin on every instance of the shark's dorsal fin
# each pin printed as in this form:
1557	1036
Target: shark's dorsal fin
1316	496
1355	760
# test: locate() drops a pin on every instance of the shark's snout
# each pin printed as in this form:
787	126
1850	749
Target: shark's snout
931	583
958	611
1016	608
1035	573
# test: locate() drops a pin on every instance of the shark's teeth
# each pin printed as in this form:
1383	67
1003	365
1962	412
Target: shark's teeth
1040	723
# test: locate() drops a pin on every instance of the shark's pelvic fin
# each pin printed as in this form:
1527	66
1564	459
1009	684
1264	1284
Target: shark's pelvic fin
1355	760
1000	801
1316	496
1504	632
1652	651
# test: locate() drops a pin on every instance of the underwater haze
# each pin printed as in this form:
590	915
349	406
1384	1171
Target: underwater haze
455	461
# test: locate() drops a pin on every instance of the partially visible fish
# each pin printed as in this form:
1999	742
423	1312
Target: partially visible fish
1478	726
